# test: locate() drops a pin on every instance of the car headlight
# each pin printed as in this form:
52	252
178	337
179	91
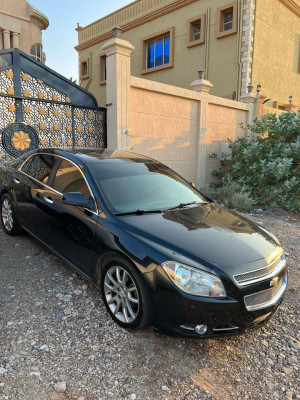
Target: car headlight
193	281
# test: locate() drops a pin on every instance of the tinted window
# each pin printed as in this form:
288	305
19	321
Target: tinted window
158	52
39	167
69	179
128	186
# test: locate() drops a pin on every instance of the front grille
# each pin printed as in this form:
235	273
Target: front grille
249	277
267	297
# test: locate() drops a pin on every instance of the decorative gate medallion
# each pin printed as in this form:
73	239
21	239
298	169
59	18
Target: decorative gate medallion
40	114
18	138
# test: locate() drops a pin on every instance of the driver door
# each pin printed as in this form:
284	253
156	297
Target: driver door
67	229
73	227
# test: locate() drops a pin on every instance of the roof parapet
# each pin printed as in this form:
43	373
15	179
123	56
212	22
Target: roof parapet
37	17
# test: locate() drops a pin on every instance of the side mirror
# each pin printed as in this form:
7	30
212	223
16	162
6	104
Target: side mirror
75	199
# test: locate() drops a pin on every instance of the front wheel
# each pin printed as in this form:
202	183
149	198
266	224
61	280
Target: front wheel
124	295
9	216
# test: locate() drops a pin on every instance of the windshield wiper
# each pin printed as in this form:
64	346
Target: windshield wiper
141	211
138	212
182	205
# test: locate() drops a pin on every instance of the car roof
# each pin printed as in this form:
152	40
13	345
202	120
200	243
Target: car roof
96	156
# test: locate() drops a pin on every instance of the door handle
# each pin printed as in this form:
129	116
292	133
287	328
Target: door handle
16	181
48	200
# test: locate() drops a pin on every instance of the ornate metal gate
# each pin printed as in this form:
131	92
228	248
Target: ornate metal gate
34	113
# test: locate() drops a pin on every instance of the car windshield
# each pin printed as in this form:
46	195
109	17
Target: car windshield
130	186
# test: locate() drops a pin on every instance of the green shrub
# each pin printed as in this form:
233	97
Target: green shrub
231	194
268	165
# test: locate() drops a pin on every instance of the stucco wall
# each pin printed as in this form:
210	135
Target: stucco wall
222	124
276	51
166	124
164	127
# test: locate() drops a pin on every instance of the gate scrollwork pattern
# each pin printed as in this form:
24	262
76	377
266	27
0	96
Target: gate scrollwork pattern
47	112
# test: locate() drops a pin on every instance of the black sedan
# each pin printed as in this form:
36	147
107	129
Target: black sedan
158	250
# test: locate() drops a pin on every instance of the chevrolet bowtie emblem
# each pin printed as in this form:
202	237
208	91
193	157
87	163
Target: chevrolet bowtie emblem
274	281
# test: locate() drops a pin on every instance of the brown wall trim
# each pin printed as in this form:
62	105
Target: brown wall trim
219	32
87	75
293	5
139	21
189	41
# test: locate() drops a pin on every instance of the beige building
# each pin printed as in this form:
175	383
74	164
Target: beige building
21	27
239	43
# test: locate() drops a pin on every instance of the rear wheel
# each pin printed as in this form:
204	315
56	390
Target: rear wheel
124	295
8	216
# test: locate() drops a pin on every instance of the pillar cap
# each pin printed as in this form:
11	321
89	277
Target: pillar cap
202	85
249	98
117	44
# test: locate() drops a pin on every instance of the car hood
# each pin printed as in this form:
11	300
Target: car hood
209	232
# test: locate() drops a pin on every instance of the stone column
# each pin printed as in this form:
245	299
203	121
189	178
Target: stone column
253	109
15	40
6	39
247	43
118	92
202	86
253	101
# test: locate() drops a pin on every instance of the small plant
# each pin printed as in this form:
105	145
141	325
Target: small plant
231	194
268	165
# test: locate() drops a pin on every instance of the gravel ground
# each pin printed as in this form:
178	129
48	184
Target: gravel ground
58	342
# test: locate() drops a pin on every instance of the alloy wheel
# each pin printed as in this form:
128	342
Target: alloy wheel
7	215
121	294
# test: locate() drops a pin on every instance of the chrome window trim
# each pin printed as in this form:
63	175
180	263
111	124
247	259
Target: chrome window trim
271	302
275	271
44	184
56	191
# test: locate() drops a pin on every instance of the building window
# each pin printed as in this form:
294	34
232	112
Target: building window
36	52
196	31
226	20
158	51
84	69
102	69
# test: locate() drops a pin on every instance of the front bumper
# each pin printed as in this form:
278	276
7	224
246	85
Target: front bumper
176	313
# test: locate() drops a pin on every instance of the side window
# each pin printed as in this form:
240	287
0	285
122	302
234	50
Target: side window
36	52
69	179
39	167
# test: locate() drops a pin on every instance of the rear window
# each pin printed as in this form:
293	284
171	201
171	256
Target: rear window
39	167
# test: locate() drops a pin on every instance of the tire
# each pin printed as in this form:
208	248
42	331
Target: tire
8	216
126	302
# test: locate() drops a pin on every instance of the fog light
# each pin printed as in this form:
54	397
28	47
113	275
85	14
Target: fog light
201	329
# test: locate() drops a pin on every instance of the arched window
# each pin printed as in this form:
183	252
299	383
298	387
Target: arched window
36	52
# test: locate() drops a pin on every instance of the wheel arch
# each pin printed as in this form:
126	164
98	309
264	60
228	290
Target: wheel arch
107	257
3	191
10	191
